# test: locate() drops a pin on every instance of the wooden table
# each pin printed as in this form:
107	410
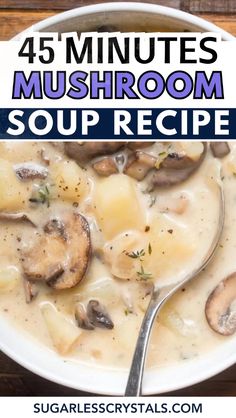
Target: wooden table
16	15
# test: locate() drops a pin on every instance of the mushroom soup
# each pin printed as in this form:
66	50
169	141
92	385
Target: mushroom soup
87	228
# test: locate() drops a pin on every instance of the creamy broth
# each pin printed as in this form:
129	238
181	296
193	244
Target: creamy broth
171	227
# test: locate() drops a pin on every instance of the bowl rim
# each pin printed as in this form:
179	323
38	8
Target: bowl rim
132	7
191	372
25	345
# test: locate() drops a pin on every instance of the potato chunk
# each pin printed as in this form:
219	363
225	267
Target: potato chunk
13	193
162	253
117	252
63	333
9	278
117	207
70	181
172	249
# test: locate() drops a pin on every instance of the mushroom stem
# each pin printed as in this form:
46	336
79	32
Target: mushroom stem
82	318
98	316
31	291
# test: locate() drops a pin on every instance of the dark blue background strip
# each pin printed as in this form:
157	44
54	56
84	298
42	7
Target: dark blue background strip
105	128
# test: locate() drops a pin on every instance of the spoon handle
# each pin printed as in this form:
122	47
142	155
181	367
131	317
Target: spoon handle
134	384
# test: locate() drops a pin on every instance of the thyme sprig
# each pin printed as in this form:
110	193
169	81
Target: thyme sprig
143	275
42	195
138	255
149	249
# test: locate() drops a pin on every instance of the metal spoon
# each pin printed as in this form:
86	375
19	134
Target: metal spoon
158	299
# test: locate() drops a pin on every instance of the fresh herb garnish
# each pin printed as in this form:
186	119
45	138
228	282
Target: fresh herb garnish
149	249
144	276
42	195
163	154
137	254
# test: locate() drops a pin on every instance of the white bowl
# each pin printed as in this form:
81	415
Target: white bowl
40	359
130	16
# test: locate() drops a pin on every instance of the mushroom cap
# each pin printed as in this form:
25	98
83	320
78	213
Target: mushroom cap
105	166
60	254
139	164
81	317
220	307
176	169
83	152
134	145
220	149
30	171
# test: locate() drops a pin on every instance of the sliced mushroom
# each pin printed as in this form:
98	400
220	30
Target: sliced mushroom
31	290
177	168
59	254
16	217
83	152
30	171
177	161
220	307
138	145
139	164
220	149
185	157
105	167
82	318
56	226
98	315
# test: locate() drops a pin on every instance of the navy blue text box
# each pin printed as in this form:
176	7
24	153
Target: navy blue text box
104	130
